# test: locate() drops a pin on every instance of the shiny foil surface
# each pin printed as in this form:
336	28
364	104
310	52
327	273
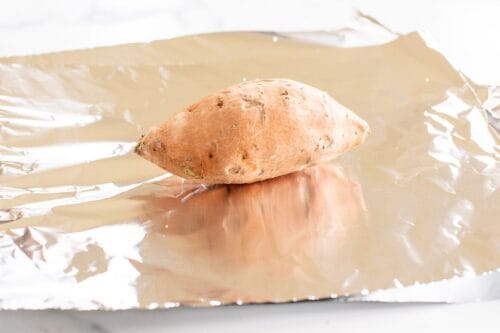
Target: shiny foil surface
87	224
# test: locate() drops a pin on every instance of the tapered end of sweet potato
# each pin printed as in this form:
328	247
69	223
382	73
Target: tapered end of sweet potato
139	146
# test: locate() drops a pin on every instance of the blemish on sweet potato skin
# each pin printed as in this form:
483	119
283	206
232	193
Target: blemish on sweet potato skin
244	155
220	102
236	170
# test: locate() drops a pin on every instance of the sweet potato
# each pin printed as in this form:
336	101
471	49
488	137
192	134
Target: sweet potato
253	131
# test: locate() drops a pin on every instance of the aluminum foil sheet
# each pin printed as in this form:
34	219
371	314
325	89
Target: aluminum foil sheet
87	224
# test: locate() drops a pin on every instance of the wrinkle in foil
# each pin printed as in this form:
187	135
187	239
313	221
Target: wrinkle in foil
86	224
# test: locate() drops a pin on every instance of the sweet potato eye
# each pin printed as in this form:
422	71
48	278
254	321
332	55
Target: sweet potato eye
220	102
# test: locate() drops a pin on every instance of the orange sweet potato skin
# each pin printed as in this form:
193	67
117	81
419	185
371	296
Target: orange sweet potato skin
253	131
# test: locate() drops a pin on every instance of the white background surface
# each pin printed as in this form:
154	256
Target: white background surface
467	31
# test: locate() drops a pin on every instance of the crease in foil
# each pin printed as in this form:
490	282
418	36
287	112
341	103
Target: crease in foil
411	215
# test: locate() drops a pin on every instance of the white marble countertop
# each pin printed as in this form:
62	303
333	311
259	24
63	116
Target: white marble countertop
466	31
299	317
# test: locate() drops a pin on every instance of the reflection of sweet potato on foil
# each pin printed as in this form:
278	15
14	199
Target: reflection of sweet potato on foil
273	217
268	240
